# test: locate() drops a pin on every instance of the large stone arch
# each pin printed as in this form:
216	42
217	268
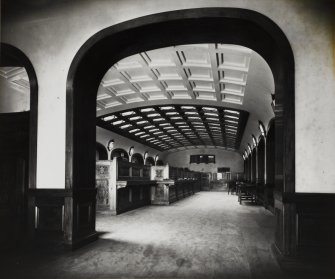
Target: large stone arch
137	158
20	145
205	25
12	56
101	151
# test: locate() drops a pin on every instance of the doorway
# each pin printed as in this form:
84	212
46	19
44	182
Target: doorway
18	121
156	31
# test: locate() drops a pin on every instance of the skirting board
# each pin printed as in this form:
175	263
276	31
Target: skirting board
302	267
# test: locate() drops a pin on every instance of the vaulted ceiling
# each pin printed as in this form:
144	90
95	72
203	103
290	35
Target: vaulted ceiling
142	93
209	72
175	126
183	85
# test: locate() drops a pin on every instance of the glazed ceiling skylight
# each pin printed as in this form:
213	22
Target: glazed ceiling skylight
176	126
210	72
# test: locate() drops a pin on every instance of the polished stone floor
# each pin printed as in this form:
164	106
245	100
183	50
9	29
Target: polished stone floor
208	235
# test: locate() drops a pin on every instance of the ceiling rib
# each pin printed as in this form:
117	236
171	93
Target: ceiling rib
174	125
201	114
205	72
152	123
182	114
177	126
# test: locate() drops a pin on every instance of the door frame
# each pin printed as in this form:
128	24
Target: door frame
213	25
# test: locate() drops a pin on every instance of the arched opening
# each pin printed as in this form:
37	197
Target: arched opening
18	148
137	159
261	159
270	166
119	154
150	161
249	168
246	168
261	168
105	48
101	152
253	166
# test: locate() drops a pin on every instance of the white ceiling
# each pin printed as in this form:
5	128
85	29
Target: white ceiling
14	90
176	126
204	74
16	78
209	72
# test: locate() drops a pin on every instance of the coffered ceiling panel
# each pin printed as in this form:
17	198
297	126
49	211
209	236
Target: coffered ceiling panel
200	75
210	72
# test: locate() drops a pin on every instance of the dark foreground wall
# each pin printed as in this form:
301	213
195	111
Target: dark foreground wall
14	147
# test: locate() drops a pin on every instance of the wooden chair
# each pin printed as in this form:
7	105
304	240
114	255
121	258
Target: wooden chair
246	192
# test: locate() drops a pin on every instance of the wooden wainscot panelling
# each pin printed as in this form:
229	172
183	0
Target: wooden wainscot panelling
46	214
268	197
315	222
14	166
84	206
163	193
133	194
59	217
278	212
122	186
173	184
260	192
311	245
